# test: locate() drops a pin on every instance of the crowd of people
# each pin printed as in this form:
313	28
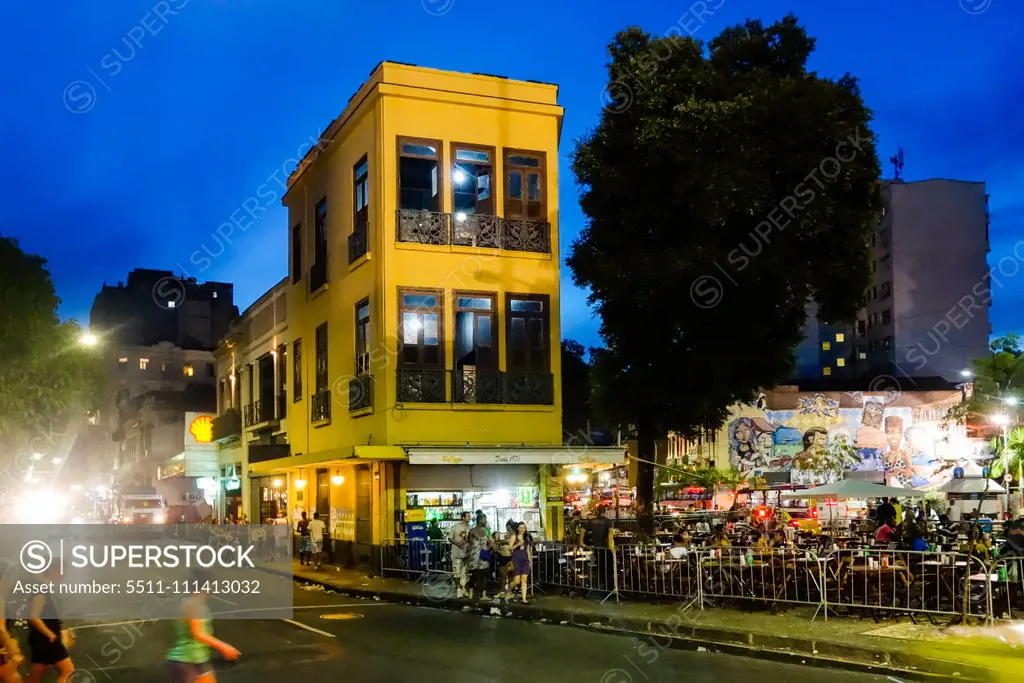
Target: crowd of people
483	559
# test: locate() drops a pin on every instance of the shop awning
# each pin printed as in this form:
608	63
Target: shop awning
517	456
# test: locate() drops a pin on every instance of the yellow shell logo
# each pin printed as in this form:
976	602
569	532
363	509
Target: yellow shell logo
201	429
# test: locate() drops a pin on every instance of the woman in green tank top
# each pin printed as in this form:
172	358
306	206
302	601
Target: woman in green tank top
189	656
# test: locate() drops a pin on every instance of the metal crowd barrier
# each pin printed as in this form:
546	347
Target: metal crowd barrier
868	581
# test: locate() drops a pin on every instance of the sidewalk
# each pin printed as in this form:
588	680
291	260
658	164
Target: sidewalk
893	647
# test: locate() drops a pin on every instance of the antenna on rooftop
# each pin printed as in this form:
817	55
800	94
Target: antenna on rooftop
897	164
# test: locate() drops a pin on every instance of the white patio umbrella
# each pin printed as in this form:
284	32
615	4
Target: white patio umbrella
852	488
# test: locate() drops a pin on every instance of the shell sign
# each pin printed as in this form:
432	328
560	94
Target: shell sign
201	429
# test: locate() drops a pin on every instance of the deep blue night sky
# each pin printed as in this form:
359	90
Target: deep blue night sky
184	130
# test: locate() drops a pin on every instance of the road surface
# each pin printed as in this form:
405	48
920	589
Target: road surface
333	638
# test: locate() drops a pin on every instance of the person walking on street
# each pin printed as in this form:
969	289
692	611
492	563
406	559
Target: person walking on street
522	559
47	641
478	558
188	660
317	532
458	536
305	545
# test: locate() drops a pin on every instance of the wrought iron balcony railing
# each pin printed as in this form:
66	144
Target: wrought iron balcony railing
357	243
422	227
477	230
520	235
421	386
320	406
523	388
471	385
227	424
360	392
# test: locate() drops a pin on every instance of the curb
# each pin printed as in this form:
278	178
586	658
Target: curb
782	649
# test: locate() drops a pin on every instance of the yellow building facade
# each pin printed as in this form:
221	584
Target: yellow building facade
424	310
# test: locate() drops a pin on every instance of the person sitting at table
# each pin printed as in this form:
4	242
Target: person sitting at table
719	539
703	527
680	545
982	545
885	533
916	538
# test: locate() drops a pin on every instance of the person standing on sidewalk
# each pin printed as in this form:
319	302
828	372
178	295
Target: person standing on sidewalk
478	558
602	535
458	536
317	532
305	545
522	559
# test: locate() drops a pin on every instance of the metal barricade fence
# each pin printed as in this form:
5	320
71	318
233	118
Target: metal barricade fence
868	580
931	583
411	559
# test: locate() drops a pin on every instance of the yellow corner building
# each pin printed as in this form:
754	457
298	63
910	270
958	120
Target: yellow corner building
423	371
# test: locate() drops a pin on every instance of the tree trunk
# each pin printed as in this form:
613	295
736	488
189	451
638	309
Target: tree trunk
645	480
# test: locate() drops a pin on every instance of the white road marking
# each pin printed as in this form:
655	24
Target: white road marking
308	628
111	624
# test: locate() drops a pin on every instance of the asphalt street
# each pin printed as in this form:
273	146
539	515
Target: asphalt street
334	638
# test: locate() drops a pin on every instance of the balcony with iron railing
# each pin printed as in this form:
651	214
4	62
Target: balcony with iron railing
320	407
471	385
472	230
227	425
357	243
360	393
265	452
261	413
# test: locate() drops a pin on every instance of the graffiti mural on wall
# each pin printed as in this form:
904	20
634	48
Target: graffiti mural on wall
883	431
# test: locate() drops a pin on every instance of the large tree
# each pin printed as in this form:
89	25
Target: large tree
726	188
48	378
998	380
575	391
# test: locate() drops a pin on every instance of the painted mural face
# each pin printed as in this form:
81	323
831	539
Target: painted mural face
884	434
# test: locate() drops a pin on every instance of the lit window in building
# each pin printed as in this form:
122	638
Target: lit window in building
122	360
825	346
171	304
143	363
840	337
188	371
826	371
840	362
863	356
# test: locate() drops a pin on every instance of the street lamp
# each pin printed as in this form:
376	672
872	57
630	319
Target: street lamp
88	339
1011	401
966	373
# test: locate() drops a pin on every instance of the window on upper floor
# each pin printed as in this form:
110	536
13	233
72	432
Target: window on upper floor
188	371
143	363
419	175
419	328
297	253
358	240
472	176
528	332
321	358
297	370
885	290
886	316
524	186
318	272
475	325
363	337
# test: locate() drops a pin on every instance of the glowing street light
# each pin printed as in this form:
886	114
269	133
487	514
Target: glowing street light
89	339
1011	401
966	373
1001	420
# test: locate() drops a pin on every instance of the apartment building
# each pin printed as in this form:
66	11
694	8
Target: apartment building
423	310
252	407
927	307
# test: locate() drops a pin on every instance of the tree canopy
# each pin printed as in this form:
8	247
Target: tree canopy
48	377
726	187
997	379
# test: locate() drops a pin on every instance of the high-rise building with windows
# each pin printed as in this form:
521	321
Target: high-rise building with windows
927	307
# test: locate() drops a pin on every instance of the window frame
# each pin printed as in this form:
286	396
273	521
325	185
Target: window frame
362	360
297	253
361	216
453	148
507	167
297	370
478	313
439	309
436	144
511	315
321	380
